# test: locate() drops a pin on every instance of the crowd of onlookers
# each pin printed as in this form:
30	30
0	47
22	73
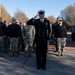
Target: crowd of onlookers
14	37
7	32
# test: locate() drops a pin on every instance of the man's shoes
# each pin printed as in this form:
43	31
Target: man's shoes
1	55
62	54
13	55
16	55
43	68
38	68
59	53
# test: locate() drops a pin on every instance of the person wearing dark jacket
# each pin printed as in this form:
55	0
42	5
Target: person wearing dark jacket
61	35
54	33
2	35
42	35
14	33
6	40
73	33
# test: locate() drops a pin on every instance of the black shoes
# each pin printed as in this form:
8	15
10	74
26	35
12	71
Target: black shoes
38	68
43	68
1	55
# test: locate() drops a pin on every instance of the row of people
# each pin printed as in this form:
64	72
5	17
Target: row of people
37	31
16	37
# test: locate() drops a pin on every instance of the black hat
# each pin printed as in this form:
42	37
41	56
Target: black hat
59	18
41	12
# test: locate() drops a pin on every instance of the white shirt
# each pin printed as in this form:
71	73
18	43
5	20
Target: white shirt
42	20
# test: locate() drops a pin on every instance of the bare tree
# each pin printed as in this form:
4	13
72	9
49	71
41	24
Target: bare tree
21	16
68	15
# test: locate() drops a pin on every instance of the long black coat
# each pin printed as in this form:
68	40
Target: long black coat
41	37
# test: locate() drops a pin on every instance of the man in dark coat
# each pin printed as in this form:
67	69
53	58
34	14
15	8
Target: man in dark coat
61	35
14	33
54	33
42	28
2	36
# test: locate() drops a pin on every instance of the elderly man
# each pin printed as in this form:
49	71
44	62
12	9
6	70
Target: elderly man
61	34
2	35
14	33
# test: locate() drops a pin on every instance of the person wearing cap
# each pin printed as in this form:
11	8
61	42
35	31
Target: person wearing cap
42	35
2	36
14	33
54	33
61	35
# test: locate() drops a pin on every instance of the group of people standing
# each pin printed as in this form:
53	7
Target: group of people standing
36	32
16	37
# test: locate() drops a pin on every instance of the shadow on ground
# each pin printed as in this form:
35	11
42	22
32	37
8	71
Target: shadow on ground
55	65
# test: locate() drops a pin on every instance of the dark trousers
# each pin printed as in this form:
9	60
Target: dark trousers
7	44
21	46
41	53
73	36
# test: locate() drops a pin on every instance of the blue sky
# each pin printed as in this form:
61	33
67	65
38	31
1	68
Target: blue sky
31	7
